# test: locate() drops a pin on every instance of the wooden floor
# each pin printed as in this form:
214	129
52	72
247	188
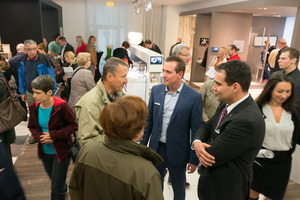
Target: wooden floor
32	175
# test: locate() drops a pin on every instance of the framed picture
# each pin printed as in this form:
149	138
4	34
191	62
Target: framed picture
5	47
259	40
203	41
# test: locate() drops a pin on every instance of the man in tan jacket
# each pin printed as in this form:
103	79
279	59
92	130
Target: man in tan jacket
89	107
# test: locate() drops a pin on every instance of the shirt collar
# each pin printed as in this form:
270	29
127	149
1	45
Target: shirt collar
232	106
178	89
35	58
111	99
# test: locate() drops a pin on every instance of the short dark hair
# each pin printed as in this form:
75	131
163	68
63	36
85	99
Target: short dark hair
63	39
180	63
126	44
43	82
293	53
112	65
266	94
125	118
233	47
56	36
236	72
148	41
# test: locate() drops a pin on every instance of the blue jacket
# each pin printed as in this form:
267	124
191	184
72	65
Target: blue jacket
185	121
43	68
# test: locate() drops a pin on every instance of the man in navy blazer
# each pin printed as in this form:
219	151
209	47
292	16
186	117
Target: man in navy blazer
175	114
228	143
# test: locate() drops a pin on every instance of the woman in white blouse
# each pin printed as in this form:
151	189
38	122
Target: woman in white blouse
271	170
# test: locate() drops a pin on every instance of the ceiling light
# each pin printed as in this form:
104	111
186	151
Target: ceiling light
110	3
276	15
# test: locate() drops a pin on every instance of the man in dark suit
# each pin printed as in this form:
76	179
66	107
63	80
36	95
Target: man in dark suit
150	45
228	143
65	46
175	114
15	64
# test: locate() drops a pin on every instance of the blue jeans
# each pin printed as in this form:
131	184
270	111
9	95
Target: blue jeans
57	171
177	174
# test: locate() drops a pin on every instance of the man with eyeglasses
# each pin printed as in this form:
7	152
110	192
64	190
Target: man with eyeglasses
32	65
182	51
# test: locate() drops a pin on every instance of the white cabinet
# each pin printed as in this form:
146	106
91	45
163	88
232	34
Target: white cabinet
145	71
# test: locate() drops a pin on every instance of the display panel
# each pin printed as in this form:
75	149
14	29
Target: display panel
156	60
214	49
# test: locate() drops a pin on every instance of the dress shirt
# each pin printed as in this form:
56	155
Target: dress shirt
62	53
169	105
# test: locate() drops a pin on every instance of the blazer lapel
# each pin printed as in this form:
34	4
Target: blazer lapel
179	102
235	110
161	100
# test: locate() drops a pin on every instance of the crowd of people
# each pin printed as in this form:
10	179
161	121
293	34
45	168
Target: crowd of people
127	148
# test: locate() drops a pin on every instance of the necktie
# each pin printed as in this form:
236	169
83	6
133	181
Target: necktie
223	114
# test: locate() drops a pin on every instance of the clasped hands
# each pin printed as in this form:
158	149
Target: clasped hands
45	138
205	158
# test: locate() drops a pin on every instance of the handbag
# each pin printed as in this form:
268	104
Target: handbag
11	111
74	150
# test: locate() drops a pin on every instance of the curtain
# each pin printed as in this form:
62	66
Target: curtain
289	29
110	25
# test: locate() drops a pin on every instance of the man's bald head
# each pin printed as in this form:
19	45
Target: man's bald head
281	43
20	48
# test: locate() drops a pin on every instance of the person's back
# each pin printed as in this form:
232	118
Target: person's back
95	160
81	83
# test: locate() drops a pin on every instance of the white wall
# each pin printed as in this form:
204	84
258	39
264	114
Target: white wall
74	20
170	27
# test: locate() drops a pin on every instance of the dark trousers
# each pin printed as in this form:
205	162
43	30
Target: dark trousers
177	174
57	171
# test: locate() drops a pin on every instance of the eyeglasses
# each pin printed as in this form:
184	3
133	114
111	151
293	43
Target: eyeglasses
187	55
34	49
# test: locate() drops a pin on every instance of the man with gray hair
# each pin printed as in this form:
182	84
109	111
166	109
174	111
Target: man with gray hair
32	65
182	51
89	107
275	55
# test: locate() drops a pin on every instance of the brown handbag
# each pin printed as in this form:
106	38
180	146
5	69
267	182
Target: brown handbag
11	111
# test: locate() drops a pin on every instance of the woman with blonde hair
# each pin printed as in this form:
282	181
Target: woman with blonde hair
70	59
80	44
220	57
82	79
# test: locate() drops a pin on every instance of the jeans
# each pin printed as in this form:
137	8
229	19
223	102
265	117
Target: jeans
57	171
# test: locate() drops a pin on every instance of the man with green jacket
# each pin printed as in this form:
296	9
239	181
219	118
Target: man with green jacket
89	107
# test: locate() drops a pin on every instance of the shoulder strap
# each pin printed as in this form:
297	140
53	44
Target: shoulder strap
61	121
7	86
77	71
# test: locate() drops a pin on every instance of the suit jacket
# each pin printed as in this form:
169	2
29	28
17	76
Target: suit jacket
234	144
155	48
185	120
67	48
15	64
